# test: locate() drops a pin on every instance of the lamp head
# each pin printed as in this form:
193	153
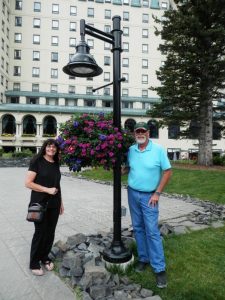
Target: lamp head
82	64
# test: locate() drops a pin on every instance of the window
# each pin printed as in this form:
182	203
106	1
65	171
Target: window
145	63
36	39
2	62
107	14
125	62
17	54
145	33
154	129
14	100
55	40
71	102
107	28
144	93
16	87
71	89
124	92
18	21
126	2
72	42
127	104
3	45
18	37
90	12
54	73
54	88
18	5
145	18
7	68
144	48
106	76
107	1
106	91
90	103
17	71
35	87
107	46
73	10
164	5
54	56
107	60
90	43
73	26
3	7
126	76
2	80
37	6
3	26
36	55
52	101
146	105
125	47
107	104
55	8
35	72
36	23
126	31
55	24
173	131
145	3
144	78
89	90
125	16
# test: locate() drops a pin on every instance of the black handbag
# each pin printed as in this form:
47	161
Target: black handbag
35	213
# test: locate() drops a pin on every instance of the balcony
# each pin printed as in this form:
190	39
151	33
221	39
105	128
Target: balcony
7	137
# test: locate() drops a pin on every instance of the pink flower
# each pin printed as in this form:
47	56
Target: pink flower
119	146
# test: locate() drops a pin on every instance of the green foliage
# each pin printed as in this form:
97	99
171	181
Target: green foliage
1	152
192	78
23	154
219	160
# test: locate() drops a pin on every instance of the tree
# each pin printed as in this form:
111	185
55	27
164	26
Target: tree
193	76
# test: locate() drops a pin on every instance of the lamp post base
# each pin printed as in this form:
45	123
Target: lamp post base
117	254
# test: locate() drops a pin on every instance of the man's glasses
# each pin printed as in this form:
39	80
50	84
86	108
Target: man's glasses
140	131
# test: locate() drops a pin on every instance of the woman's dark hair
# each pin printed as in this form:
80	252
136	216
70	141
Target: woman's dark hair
46	143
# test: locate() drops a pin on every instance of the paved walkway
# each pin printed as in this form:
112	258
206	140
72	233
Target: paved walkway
88	209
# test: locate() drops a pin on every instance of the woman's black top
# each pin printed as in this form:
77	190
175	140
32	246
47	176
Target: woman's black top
48	175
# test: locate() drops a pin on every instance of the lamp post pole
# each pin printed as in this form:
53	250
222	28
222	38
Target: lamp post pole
79	66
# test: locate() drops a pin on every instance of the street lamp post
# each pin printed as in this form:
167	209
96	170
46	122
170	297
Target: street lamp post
82	64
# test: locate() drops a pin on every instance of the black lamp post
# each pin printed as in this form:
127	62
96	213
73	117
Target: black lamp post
82	64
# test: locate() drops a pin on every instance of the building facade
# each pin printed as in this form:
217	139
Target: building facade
38	38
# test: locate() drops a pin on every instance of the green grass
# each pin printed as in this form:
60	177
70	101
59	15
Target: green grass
202	184
195	267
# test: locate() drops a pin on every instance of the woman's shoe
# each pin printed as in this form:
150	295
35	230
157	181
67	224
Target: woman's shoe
37	272
49	266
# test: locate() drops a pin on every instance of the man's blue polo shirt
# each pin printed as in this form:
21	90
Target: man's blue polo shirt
146	166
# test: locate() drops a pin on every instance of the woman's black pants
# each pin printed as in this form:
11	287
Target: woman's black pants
43	238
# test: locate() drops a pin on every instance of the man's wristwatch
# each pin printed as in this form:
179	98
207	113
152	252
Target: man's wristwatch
158	193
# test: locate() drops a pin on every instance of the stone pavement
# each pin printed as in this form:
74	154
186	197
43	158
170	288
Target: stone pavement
88	209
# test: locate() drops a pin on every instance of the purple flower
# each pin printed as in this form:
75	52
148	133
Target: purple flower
75	124
102	137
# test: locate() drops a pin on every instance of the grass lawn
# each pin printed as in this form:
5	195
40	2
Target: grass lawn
202	184
195	267
195	261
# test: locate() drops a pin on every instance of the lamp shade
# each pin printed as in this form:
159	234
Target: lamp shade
82	63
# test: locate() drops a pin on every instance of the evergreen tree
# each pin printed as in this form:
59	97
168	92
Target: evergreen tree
193	76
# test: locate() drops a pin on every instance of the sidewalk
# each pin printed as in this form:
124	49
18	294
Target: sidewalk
88	209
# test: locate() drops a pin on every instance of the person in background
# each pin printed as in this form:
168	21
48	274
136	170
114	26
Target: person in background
149	171
43	178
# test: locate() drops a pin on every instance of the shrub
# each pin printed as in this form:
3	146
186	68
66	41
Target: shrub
219	160
1	152
24	153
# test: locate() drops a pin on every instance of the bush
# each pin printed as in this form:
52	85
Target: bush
219	160
1	152
22	154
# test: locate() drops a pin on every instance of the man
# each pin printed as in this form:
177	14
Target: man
149	172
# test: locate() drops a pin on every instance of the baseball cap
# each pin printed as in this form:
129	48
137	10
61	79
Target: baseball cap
141	125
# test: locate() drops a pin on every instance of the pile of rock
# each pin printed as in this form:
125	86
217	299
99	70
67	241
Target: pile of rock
81	264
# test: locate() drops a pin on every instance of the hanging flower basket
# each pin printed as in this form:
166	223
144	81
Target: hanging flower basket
92	140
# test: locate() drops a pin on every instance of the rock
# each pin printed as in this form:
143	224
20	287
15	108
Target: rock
75	240
146	293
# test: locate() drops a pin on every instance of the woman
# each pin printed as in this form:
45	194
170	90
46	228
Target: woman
43	178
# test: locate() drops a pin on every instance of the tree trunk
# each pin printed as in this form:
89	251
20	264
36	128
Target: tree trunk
205	136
